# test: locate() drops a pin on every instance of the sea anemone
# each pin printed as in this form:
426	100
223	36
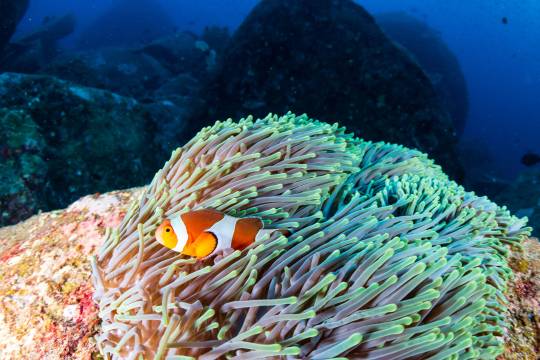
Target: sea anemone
385	257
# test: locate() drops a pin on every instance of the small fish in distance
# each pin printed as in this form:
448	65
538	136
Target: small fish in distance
530	159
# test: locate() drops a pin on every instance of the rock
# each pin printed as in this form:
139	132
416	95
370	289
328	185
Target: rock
181	53
44	262
46	306
482	168
183	85
21	58
523	196
168	117
127	23
53	29
32	51
12	11
22	166
124	71
523	335
216	37
329	59
83	140
430	51
138	72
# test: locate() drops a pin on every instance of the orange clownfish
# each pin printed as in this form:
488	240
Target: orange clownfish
201	233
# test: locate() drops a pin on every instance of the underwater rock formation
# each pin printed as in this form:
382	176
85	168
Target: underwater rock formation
523	197
329	58
482	167
12	11
217	37
166	66
522	338
32	51
22	166
46	306
386	257
53	159
53	29
127	23
430	51
121	71
183	52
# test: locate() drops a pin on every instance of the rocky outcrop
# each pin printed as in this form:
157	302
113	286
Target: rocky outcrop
44	263
12	11
46	306
29	52
121	71
523	335
429	50
127	23
138	72
23	167
63	141
330	59
522	197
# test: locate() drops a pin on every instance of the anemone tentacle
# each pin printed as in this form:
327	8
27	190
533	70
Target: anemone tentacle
385	257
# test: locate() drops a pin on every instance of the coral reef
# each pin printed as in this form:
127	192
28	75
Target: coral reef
50	159
46	306
329	59
22	167
523	336
386	257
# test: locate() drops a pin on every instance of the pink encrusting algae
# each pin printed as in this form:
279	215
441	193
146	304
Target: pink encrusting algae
46	305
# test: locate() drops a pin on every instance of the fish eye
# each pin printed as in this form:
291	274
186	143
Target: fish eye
168	230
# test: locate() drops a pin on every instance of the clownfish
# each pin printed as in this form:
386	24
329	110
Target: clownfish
201	233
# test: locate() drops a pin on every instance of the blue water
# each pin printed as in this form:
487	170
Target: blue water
501	62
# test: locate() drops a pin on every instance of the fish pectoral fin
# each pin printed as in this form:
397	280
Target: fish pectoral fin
203	245
189	250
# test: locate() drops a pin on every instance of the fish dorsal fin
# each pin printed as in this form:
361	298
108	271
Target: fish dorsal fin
197	221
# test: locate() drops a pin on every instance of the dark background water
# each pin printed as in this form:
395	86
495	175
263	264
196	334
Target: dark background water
501	62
